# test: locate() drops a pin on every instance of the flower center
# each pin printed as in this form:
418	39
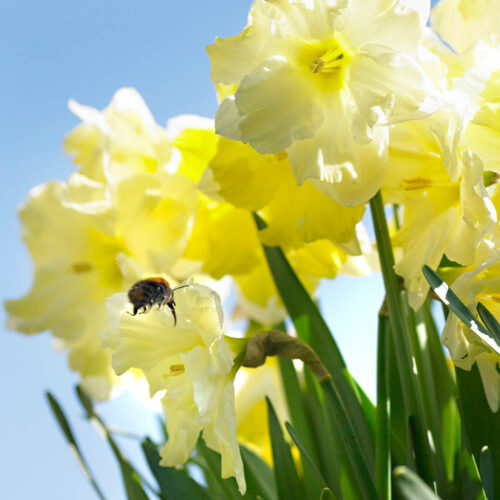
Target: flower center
329	62
326	61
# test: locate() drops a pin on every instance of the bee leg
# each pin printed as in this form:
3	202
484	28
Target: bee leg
172	308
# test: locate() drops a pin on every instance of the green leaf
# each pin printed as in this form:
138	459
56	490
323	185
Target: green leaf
445	262
318	477
446	294
61	419
482	426
359	467
131	478
304	422
174	484
210	462
490	322
259	476
487	473
312	329
287	479
410	486
327	494
332	457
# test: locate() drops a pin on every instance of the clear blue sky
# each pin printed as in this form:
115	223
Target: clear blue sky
55	50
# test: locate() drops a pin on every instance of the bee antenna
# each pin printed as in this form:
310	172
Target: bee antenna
178	287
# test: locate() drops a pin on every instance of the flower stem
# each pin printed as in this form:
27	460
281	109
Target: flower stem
401	337
382	443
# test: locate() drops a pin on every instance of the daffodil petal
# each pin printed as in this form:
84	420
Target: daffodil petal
277	105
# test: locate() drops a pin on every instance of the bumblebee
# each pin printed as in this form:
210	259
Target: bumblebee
146	293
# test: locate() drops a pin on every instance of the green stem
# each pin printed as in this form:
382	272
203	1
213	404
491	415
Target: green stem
382	443
401	335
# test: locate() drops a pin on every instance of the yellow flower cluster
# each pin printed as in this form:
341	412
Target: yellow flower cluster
324	103
363	96
151	201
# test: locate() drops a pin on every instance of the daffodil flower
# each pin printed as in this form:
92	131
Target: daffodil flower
192	363
294	214
447	209
321	80
124	140
480	284
86	244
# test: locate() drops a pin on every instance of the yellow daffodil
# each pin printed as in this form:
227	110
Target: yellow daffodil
447	209
224	239
192	363
87	244
480	284
121	140
462	23
124	140
320	80
294	214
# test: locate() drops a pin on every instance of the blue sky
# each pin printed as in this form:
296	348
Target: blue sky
55	50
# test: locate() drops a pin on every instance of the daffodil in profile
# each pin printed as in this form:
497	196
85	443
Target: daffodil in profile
480	283
124	139
294	215
86	244
192	363
322	80
447	209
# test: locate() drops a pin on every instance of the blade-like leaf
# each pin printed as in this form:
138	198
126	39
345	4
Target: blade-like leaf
70	438
327	494
354	453
490	322
481	424
130	476
287	479
259	476
410	486
320	480
210	462
487	473
174	484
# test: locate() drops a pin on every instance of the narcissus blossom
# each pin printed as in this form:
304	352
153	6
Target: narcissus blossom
192	362
294	214
447	209
321	79
87	244
480	284
124	140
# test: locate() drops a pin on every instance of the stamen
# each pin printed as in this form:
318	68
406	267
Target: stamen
174	371
330	61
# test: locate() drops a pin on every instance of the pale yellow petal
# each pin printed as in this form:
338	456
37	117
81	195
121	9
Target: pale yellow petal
242	177
224	239
277	105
